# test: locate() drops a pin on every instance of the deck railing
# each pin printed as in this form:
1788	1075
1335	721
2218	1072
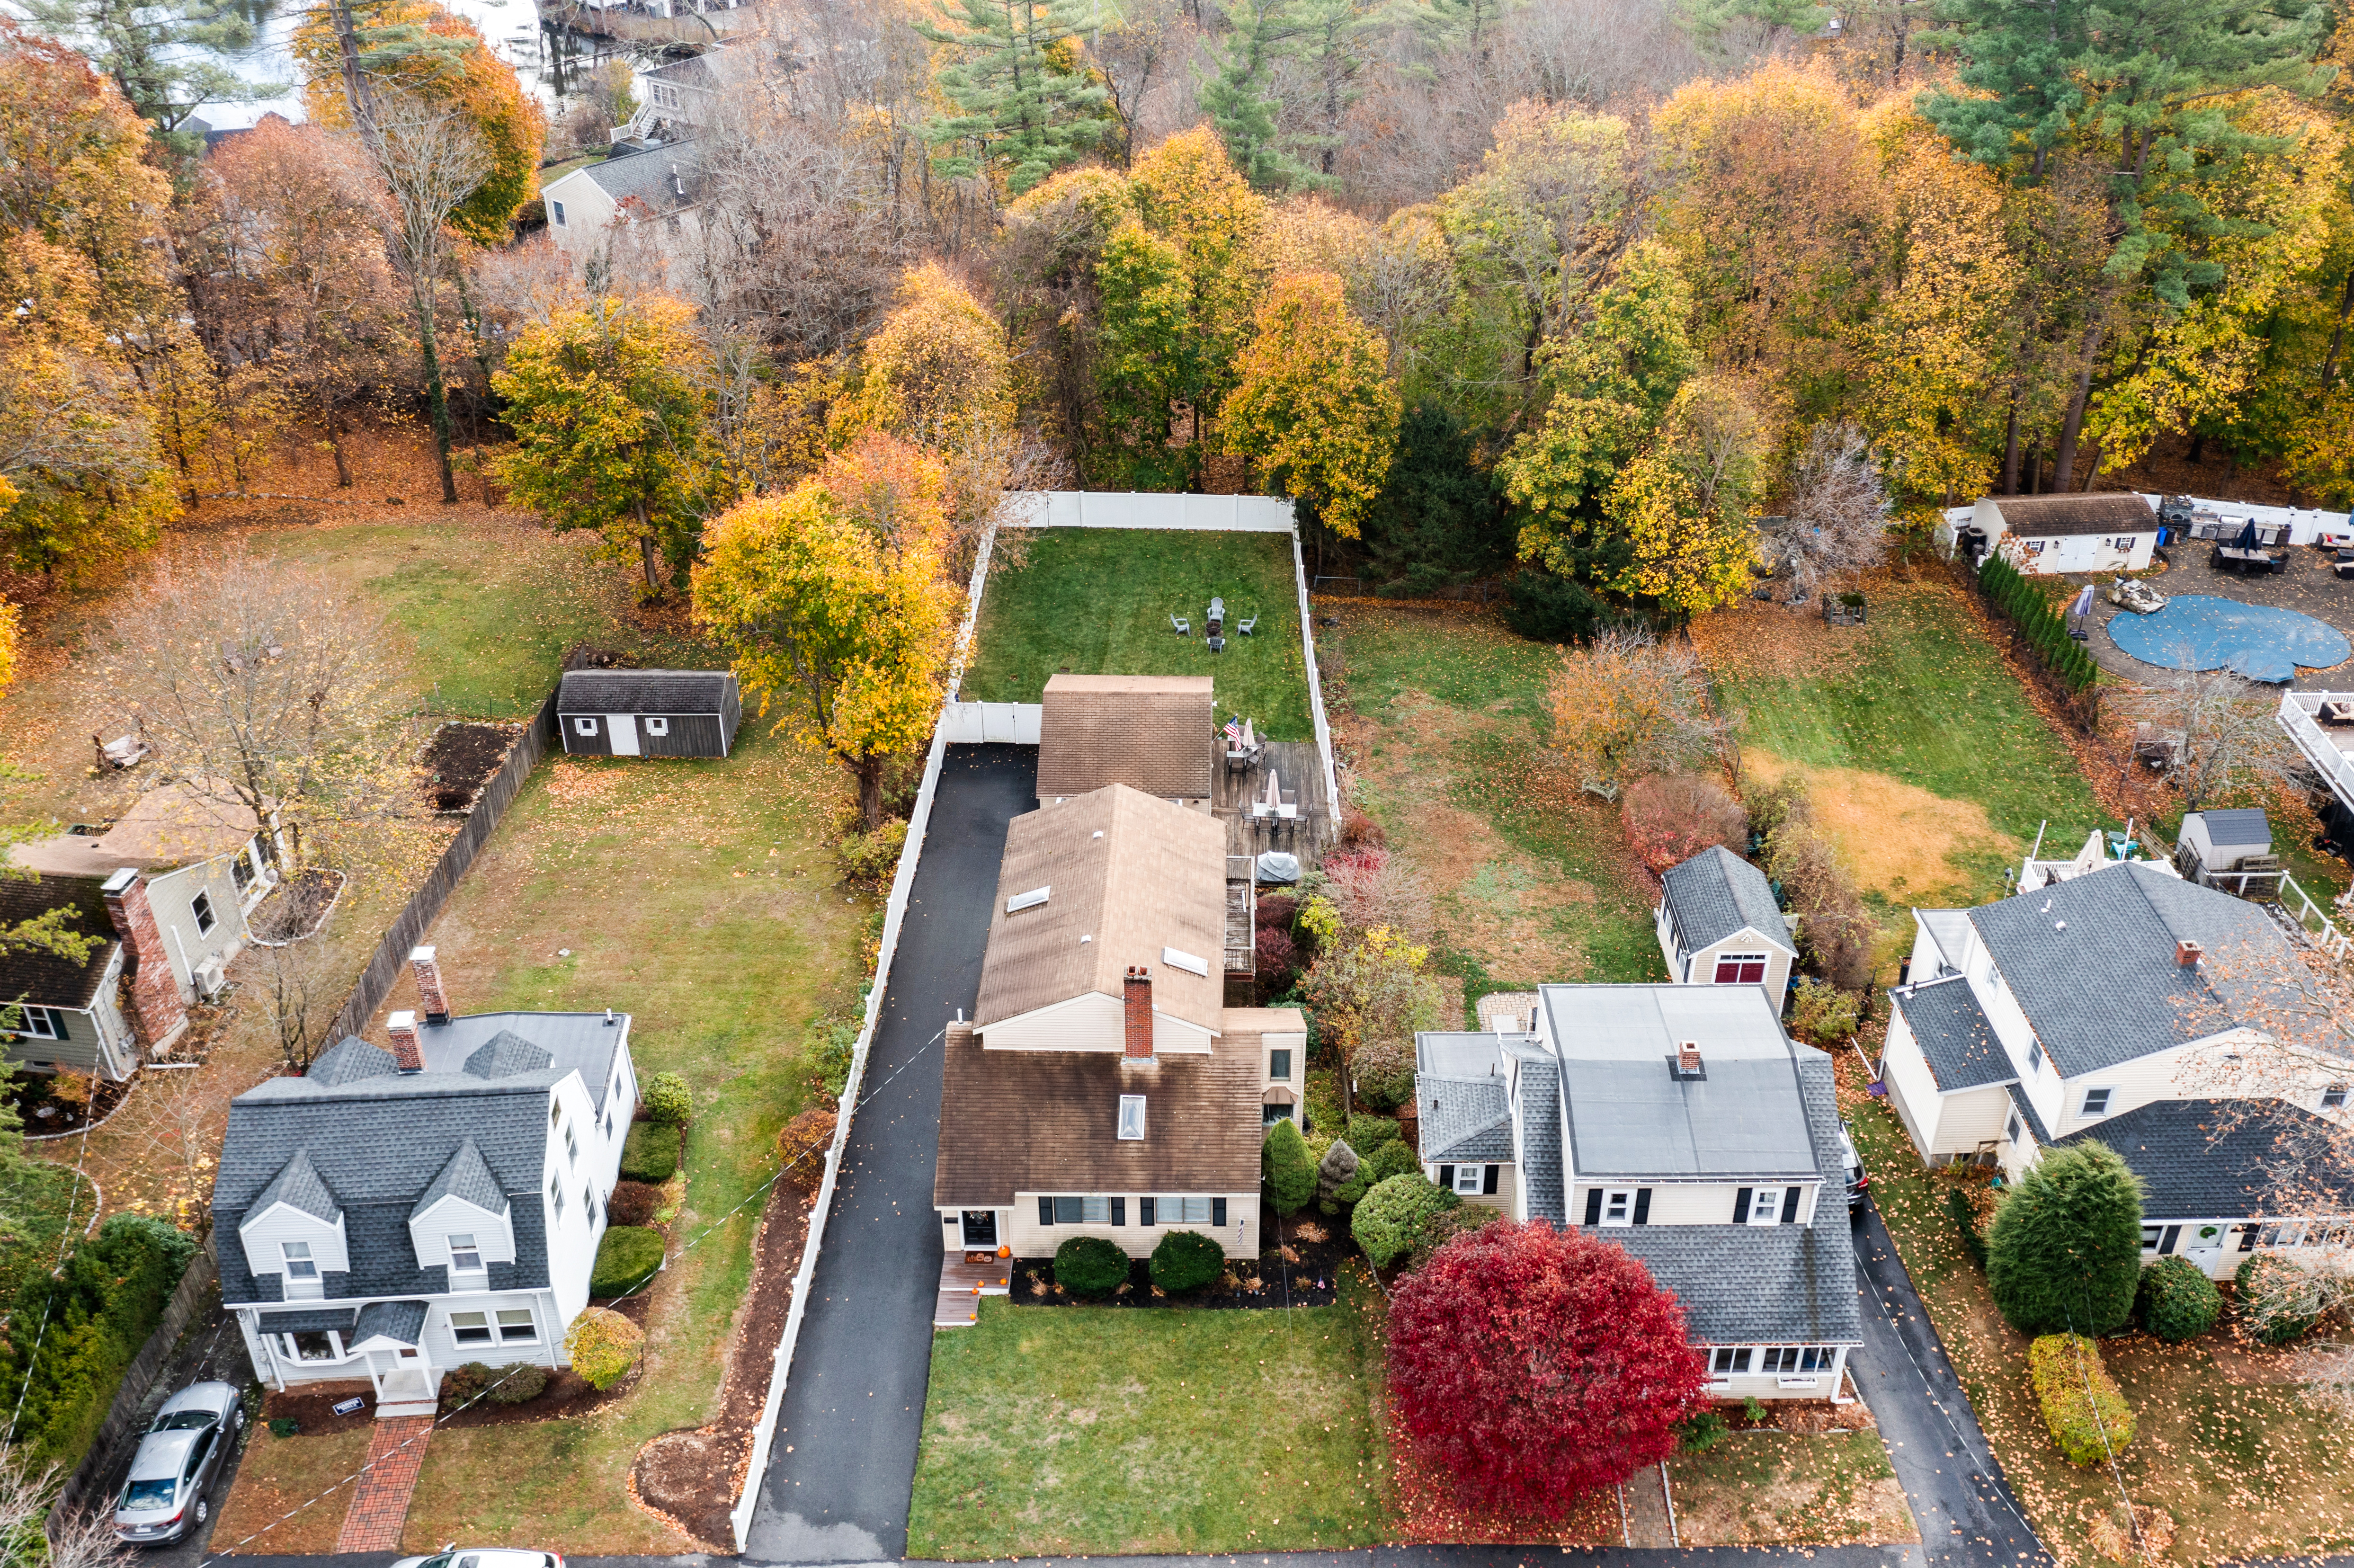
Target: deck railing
2298	716
2318	927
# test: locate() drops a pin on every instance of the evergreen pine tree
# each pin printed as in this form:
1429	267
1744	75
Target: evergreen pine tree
1290	1175
1022	100
2064	1254
1238	99
166	58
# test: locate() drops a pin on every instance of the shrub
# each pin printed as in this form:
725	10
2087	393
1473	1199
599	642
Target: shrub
2082	1408
2064	1254
806	1135
1699	1434
2281	1298
1822	1013
517	1385
1391	1158
1669	817
1185	1260
602	1346
1356	828
1367	1133
1384	1073
100	1306
461	1386
627	1257
1437	1230
649	1153
1290	1174
284	1427
870	859
2177	1301
632	1204
668	1103
1390	1218
1340	1178
1090	1265
829	1046
1324	1096
1279	956
1544	608
1965	1220
1538	1366
1320	920
1275	909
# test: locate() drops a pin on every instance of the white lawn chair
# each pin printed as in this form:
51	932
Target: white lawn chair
1182	626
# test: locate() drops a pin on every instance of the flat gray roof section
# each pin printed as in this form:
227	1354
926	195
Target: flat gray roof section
1628	1115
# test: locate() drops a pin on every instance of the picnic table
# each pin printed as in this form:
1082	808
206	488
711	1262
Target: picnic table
2231	558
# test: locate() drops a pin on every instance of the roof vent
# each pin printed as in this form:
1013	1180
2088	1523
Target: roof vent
2188	953
1178	959
608	1018
1030	900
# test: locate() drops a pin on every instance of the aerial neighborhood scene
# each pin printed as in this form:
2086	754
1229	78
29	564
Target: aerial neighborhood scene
853	781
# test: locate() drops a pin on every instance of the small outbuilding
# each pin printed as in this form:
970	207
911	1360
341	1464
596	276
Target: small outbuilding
2112	532
648	713
1719	924
2231	850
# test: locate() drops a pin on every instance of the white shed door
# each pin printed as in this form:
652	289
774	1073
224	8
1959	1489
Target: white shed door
623	728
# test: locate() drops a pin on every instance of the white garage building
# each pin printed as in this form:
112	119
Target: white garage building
2112	532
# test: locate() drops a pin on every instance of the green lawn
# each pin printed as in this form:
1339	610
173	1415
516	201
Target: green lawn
1063	1431
1097	601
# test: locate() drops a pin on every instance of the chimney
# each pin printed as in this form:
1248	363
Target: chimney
158	1010
402	1027
1137	996
428	970
1688	1059
2188	953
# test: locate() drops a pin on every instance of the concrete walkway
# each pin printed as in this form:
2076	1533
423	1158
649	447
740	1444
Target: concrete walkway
844	1467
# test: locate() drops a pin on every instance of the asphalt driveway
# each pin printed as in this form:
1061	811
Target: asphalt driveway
844	1467
1961	1502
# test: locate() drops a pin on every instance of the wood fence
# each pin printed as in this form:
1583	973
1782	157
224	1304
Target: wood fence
123	1423
376	980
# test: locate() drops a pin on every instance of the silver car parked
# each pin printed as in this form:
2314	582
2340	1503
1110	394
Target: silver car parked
455	1557
164	1497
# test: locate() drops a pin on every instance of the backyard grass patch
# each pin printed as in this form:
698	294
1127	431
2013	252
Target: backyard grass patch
1761	1488
304	1476
1097	601
1091	1431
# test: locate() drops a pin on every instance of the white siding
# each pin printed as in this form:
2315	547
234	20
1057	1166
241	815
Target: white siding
430	1233
1506	1198
1911	1088
263	1231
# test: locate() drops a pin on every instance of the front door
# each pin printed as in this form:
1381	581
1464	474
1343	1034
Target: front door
624	728
2204	1245
981	1227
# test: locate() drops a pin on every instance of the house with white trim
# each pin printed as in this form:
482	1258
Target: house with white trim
1718	923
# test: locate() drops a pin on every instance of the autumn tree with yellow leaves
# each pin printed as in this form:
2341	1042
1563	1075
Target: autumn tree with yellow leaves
1315	410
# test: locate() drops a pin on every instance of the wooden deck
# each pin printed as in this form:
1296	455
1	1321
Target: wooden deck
1299	767
963	1284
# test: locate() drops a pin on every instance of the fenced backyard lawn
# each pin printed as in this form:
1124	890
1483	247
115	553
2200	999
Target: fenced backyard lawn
1097	601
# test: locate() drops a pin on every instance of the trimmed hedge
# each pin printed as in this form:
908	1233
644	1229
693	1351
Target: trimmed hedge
627	1257
2177	1301
1390	1219
668	1102
99	1309
649	1153
2045	630
1090	1265
1186	1260
1391	1159
2087	1423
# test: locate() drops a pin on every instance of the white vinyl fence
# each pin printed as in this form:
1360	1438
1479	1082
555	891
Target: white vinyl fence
1139	509
991	723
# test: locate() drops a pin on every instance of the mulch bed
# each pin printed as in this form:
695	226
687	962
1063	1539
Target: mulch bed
691	1478
1309	1277
30	1095
296	906
459	758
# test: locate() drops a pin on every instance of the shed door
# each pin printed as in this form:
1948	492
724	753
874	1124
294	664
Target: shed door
623	728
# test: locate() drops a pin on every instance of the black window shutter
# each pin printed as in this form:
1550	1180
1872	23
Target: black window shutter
2247	1238
1594	1205
2166	1243
1119	1211
1046	1210
1218	1211
1488	1182
1447	1176
1642	1206
1740	1207
1144	1211
1790	1206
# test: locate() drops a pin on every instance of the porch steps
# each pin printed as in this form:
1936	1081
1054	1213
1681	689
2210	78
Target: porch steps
965	1278
380	1506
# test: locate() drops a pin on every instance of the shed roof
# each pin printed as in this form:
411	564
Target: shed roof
2052	516
667	692
1153	732
53	980
1716	893
2243	827
2228	1159
1132	876
399	1321
1954	1034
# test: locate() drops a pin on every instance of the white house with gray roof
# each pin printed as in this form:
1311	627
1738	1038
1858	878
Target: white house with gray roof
659	192
395	1212
1684	1123
1719	923
2109	1005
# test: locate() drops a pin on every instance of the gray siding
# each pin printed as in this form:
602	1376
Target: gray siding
578	745
691	735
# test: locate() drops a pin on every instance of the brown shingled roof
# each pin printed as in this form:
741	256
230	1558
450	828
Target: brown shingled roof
1046	1121
1153	732
1156	878
2051	517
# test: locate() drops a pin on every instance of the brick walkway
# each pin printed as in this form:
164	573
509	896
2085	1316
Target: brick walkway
381	1507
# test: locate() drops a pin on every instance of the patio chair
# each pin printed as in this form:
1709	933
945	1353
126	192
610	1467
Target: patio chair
1182	626
1245	625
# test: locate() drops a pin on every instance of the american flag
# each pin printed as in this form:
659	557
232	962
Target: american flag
1234	732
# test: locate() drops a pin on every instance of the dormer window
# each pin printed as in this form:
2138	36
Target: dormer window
571	1147
299	1262
2034	1057
465	1257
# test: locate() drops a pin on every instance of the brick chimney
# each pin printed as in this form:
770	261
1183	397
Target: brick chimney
158	1012
1136	995
430	994
1688	1058
2188	953
402	1027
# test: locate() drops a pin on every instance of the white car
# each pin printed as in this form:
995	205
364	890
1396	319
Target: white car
456	1556
164	1497
2133	594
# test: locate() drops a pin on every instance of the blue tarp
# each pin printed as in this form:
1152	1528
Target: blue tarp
2261	642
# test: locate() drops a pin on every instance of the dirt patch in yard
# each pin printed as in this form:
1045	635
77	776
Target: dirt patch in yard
1773	640
460	759
690	1480
1897	839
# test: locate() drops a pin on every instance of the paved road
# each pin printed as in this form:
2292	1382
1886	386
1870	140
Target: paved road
1959	1497
845	1462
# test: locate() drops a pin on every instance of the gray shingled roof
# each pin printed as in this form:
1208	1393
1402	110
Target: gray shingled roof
504	1054
574	1042
1541	1173
1716	893
1955	1037
2028	1112
349	1060
298	1186
2091	963
1459	1096
2227	1160
2233	829
467	1176
399	1321
668	691
336	1318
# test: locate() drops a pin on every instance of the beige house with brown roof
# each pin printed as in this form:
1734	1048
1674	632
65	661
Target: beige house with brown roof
1102	1087
1152	733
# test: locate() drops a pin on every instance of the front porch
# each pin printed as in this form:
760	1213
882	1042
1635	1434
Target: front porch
965	1278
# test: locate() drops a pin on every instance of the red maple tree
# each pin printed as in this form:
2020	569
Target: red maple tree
1535	1366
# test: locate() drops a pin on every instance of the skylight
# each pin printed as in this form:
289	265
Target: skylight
1177	958
1131	1117
1030	900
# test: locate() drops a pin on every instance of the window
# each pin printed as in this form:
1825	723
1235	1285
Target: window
1268	1115
314	1345
1788	1359
1767	1205
240	869
516	1327
1725	1363
555	1197
470	1327
588	1203
2149	1237
1618	1207
2034	1057
1741	969
299	1263
1132	1119
1466	1179
556	1113
2334	1097
41	1023
1075	1211
1278	1068
659	726
2034	547
558	208
2097	1102
1169	1211
465	1257
571	1147
201	907
2010	1130
584	726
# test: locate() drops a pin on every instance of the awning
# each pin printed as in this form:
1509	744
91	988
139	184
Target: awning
338	1319
399	1321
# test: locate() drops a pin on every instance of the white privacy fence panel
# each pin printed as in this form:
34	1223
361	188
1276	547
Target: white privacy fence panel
992	724
1132	509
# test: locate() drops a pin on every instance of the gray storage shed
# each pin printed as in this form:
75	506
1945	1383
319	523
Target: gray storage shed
648	713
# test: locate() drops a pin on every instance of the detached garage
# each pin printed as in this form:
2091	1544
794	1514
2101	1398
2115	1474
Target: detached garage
648	713
2112	532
